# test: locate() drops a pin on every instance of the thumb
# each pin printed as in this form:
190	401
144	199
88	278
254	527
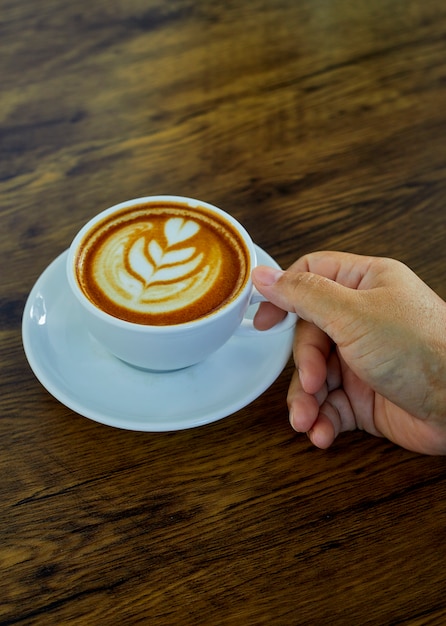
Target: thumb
314	298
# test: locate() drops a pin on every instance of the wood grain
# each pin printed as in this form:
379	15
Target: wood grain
318	125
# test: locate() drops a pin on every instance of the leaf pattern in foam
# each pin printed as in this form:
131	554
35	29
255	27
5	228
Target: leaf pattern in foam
178	256
159	257
138	261
176	272
178	229
162	266
155	251
132	287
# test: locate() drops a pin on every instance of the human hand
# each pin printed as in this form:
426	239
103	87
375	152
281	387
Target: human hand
369	350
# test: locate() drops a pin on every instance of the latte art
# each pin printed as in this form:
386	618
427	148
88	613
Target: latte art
152	275
162	264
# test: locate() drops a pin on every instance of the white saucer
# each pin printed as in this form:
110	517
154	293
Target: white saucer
77	371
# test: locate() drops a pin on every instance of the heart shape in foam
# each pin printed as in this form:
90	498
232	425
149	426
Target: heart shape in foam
178	229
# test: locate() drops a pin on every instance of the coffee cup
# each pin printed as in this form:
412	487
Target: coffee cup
165	281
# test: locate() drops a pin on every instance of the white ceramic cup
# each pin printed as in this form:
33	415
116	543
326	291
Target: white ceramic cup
171	347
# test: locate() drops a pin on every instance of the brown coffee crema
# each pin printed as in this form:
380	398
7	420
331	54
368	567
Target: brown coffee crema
162	264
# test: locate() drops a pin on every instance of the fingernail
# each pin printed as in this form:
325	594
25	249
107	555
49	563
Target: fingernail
267	275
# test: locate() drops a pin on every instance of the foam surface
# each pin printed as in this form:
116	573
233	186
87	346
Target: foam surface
162	265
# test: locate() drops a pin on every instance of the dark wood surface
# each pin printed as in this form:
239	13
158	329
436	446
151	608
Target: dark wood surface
319	125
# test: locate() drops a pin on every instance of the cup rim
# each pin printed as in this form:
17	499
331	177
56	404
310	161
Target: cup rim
116	321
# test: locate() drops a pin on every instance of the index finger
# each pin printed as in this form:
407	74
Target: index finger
345	268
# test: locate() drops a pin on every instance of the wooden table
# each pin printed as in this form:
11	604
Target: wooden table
318	125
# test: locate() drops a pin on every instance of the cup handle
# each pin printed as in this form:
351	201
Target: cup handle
247	326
